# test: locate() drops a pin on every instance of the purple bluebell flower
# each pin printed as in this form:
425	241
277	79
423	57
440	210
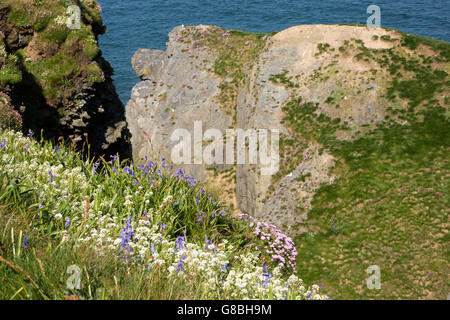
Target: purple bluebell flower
3	144
208	243
152	248
30	133
57	149
126	170
180	265
51	176
200	217
266	275
67	225
163	226
127	235
40	207
25	243
95	166
179	244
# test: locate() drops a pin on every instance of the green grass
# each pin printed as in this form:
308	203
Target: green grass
40	271
20	18
388	208
389	205
11	73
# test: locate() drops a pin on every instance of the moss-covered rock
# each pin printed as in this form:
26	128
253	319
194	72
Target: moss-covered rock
56	76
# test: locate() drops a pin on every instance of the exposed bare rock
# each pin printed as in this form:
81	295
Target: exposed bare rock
236	80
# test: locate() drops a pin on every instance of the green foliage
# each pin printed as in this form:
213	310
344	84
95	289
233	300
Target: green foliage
388	207
66	54
413	78
42	21
387	203
412	41
21	18
56	34
324	47
283	79
10	73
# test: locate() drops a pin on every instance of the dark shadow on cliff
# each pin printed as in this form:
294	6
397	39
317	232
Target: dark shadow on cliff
103	132
37	115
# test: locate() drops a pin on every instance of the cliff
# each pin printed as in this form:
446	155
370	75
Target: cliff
352	76
364	145
56	77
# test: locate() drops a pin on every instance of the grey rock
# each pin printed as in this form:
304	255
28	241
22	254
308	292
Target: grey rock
179	89
149	64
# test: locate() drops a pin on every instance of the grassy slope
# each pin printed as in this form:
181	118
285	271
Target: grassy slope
390	205
39	182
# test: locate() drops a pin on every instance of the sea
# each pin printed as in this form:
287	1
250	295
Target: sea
134	24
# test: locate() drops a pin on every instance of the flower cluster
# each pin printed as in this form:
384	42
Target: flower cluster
244	278
278	245
135	213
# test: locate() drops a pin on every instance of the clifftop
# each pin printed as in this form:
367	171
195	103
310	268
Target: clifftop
364	147
57	78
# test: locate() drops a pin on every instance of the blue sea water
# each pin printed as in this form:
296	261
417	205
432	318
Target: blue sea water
134	24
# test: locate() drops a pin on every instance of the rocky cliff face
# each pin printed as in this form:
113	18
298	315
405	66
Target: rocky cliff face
321	86
57	78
